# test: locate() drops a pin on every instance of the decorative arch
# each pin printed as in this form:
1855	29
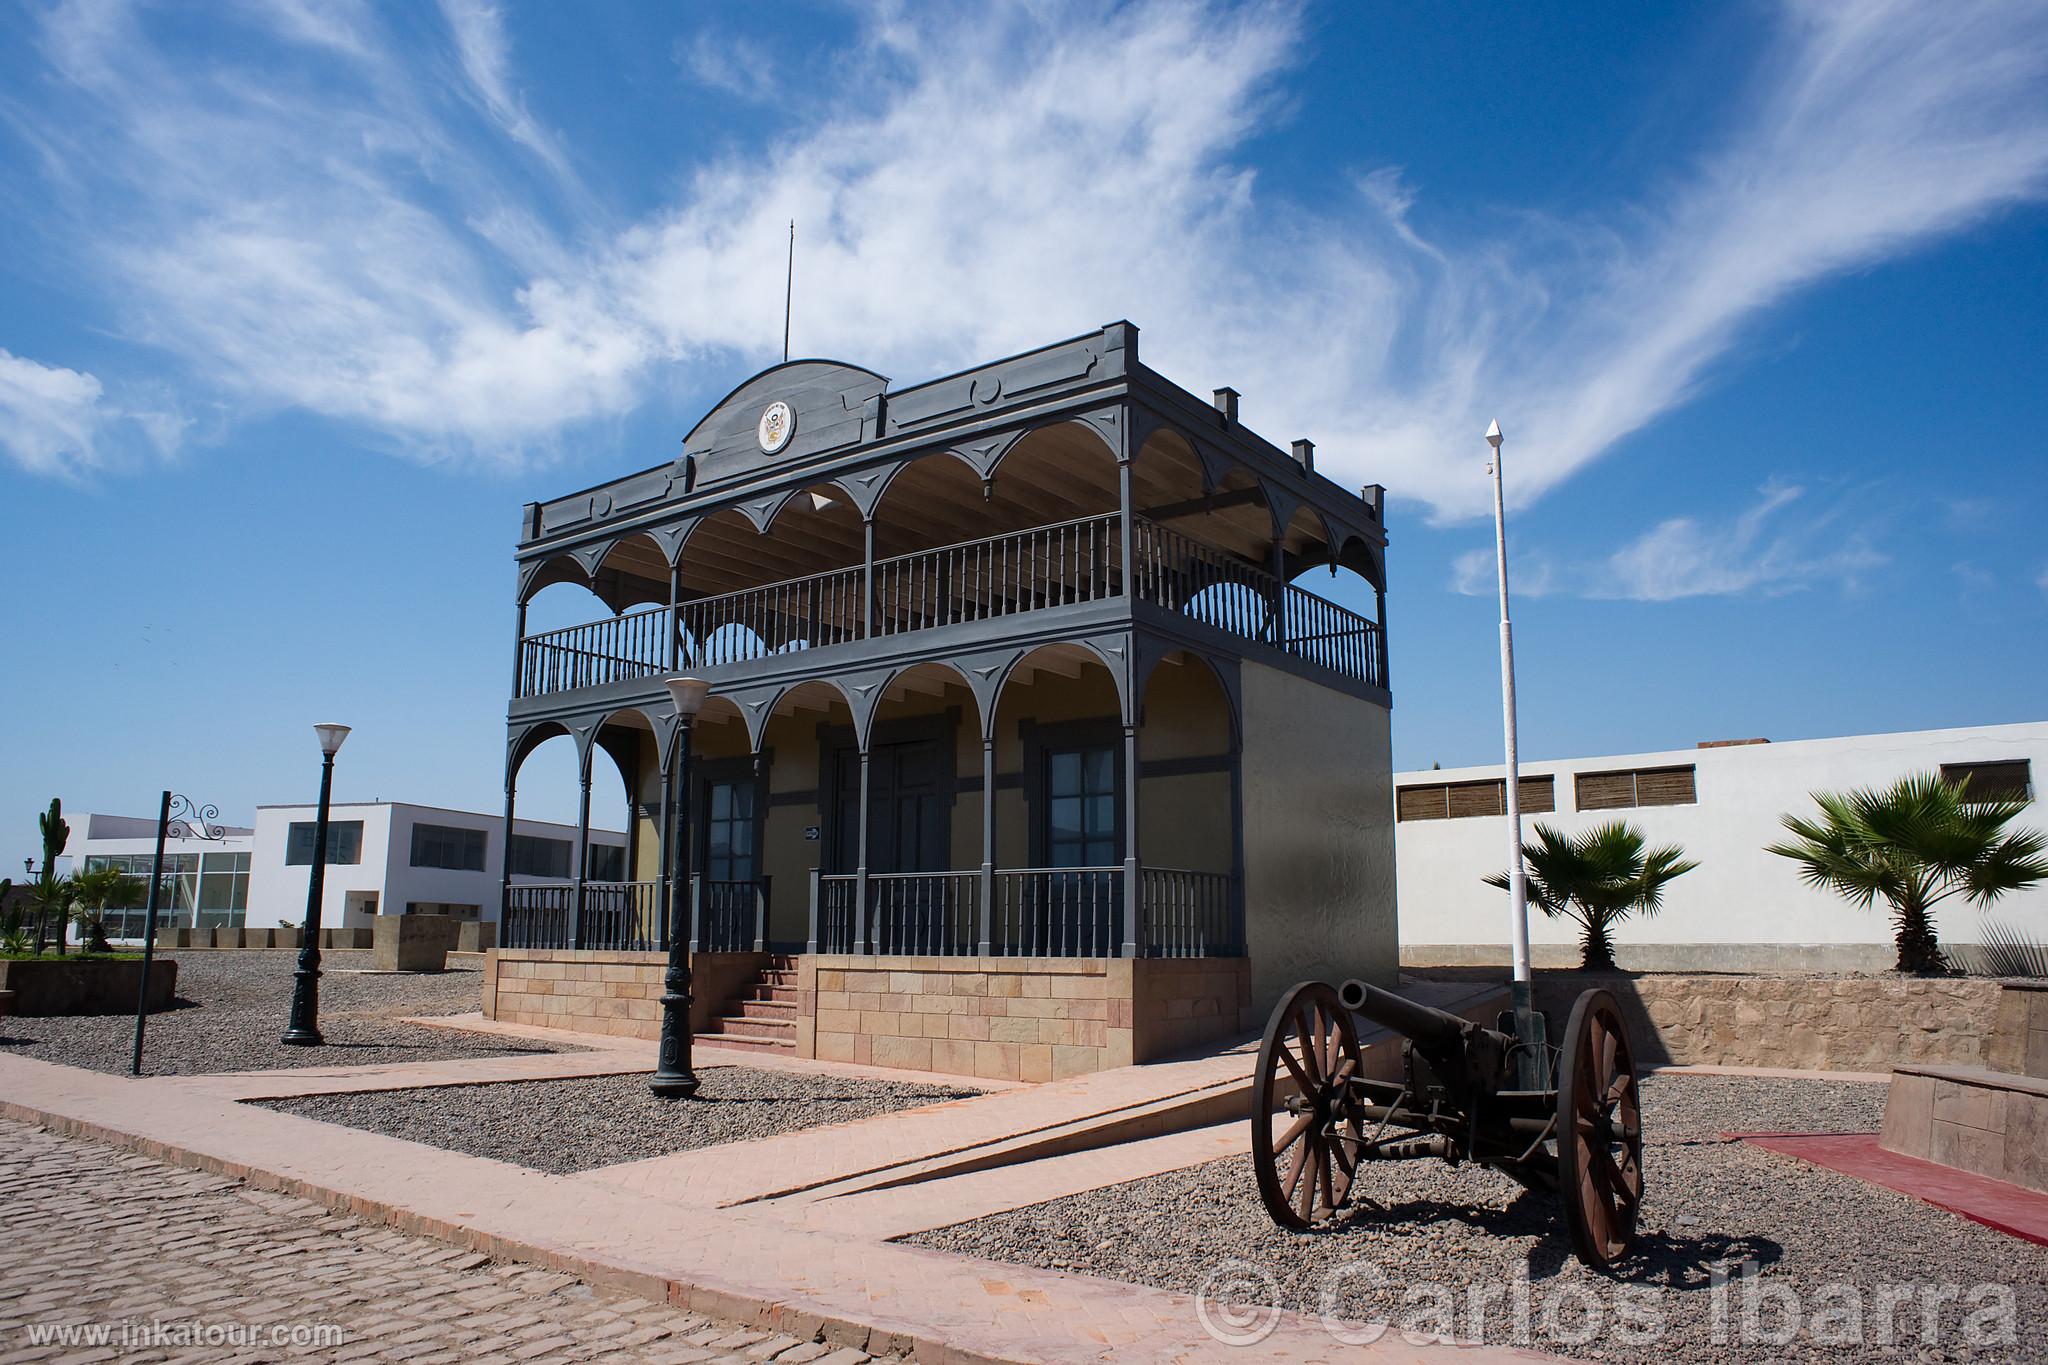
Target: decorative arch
1153	651
1113	655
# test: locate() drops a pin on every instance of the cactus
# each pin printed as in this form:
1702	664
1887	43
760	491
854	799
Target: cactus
56	834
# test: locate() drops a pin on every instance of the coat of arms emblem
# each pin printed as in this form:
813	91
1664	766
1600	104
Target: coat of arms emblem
777	425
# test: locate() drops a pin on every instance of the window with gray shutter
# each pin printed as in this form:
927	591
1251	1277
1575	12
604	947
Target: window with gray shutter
2006	780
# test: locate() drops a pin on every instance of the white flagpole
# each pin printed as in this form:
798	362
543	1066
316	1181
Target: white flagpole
1518	894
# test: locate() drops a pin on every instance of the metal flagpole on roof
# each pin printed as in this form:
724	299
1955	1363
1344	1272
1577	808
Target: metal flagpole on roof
1526	1025
788	289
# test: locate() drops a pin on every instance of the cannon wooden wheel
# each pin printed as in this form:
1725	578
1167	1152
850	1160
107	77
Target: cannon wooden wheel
1300	1094
1599	1131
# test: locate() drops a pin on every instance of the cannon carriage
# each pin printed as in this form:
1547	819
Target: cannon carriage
1563	1119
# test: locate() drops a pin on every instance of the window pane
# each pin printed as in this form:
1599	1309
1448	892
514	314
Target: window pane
1101	770
1064	816
1063	774
1101	814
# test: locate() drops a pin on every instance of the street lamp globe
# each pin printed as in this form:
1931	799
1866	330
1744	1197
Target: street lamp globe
688	695
331	737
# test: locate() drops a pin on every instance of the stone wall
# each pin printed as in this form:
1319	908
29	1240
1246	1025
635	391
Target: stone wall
1985	1122
1021	1019
604	992
2022	1042
77	985
1025	1019
1815	1023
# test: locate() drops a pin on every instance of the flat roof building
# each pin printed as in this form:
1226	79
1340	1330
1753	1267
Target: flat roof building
383	857
1742	909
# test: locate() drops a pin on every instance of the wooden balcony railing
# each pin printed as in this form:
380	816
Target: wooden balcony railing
980	580
1047	566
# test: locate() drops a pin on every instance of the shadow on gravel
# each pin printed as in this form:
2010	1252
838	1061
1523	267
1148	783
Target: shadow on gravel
1673	1262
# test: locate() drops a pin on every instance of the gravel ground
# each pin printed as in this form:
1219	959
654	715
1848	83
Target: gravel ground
233	1004
576	1125
1443	1239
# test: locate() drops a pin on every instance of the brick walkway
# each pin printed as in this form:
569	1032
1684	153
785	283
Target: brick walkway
100	1237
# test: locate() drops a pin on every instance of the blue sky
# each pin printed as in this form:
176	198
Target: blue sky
299	303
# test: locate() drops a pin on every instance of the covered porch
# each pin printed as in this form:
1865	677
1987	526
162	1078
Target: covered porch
1027	810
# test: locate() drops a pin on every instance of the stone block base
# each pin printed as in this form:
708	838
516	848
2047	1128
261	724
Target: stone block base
476	936
1990	1123
606	992
78	986
412	943
1016	1019
1005	1018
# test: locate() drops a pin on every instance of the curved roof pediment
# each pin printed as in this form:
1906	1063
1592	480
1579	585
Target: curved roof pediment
831	404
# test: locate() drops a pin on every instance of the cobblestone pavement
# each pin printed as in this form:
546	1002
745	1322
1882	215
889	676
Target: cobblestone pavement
177	1265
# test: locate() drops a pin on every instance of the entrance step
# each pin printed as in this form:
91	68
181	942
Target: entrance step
761	1014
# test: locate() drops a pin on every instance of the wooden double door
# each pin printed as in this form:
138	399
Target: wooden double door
910	792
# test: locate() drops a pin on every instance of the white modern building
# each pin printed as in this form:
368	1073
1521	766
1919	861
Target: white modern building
208	879
383	857
1742	909
391	858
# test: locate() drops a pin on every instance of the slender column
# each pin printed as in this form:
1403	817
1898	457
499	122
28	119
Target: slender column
505	863
1380	600
860	884
156	879
582	857
1278	606
1126	526
867	578
519	653
632	776
988	842
1237	899
666	849
756	823
696	925
1133	883
675	617
817	896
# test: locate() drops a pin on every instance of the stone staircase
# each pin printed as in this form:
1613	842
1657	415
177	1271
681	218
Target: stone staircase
761	1017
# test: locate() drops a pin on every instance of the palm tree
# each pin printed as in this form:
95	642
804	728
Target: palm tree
52	898
1597	880
1914	844
99	890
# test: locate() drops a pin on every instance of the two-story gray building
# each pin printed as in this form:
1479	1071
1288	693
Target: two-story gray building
1024	754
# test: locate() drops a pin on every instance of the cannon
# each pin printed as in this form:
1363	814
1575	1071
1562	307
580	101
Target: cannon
1563	1119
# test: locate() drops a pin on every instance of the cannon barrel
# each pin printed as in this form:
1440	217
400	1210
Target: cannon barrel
1433	1029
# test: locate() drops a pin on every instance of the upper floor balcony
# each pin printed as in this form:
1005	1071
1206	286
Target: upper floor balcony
1063	564
817	511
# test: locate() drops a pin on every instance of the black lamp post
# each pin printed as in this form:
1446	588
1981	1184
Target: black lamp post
304	1029
672	1078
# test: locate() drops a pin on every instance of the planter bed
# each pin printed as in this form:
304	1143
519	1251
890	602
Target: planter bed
75	984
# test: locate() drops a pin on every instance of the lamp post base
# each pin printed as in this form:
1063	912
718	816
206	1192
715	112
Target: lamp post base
302	1030
673	1087
673	1079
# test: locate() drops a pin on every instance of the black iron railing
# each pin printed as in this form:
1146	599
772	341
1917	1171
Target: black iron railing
1047	566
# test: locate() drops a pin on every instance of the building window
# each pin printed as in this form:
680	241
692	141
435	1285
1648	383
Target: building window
1627	787
1080	808
443	908
223	890
344	843
2006	780
729	832
533	856
1457	800
448	846
607	863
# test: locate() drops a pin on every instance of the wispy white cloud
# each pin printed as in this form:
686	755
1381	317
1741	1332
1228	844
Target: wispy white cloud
58	421
486	58
727	63
1760	551
345	246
